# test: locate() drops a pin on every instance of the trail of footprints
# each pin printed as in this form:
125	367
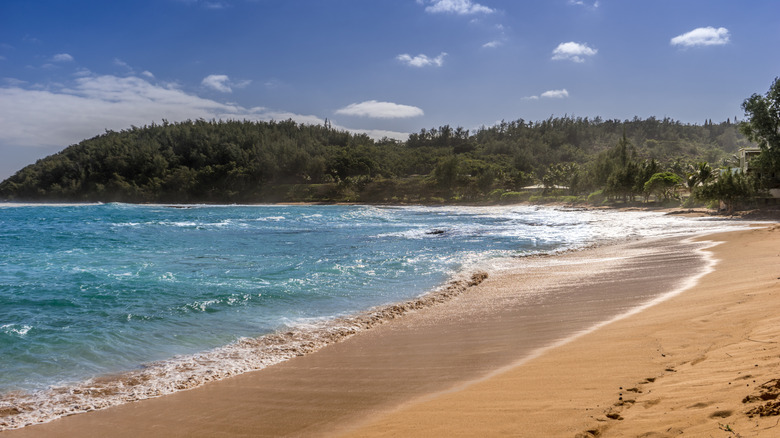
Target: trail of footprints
627	398
764	401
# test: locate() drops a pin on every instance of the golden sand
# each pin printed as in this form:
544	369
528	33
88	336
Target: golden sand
682	367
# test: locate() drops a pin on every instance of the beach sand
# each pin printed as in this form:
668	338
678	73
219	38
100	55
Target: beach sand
518	355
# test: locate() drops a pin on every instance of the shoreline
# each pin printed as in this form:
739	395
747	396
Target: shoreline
763	213
426	320
253	354
702	363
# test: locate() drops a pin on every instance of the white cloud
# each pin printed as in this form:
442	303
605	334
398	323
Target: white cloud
62	57
148	74
702	36
572	51
217	82
422	60
550	94
492	44
65	115
460	7
223	83
380	110
555	94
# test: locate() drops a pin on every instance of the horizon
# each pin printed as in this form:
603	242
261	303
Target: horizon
72	71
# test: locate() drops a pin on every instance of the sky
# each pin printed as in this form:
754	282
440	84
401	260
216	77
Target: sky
70	70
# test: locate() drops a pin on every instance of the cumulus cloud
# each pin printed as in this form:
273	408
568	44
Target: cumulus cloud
492	44
62	57
32	116
217	82
555	94
703	36
222	83
380	110
550	94
422	60
459	7
572	51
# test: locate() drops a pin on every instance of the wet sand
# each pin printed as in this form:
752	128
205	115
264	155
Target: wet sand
698	364
482	363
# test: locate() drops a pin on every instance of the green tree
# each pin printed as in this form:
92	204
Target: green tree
662	185
446	173
486	179
560	175
763	124
622	181
699	173
731	188
763	128
646	171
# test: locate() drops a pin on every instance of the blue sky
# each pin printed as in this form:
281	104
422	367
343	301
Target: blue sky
69	70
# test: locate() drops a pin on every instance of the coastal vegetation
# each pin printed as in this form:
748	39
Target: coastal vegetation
763	128
565	159
243	161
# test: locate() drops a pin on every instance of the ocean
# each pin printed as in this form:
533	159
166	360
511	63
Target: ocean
102	304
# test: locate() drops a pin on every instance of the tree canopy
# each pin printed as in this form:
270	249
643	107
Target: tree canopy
763	128
243	161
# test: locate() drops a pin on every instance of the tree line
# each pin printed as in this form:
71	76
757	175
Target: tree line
246	161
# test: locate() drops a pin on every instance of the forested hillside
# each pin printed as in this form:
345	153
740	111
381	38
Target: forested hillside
241	161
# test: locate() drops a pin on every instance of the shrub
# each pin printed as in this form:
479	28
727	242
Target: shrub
597	197
510	197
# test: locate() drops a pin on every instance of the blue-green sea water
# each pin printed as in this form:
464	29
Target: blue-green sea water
94	290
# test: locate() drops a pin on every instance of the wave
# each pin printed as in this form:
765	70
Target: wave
15	329
186	372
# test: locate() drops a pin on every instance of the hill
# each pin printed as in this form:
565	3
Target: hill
248	162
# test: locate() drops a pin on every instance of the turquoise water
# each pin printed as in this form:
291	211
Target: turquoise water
87	290
90	290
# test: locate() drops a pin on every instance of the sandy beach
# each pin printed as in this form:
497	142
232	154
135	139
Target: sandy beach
553	346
